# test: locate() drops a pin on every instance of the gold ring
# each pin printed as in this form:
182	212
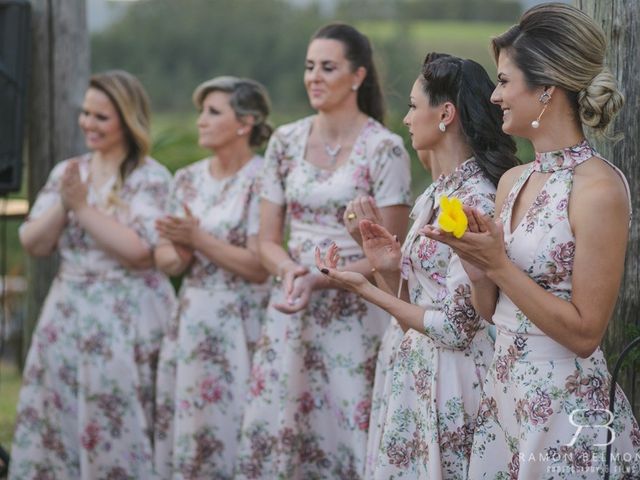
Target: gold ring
351	216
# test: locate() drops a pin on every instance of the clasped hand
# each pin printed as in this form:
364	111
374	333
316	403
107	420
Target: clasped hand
73	191
180	230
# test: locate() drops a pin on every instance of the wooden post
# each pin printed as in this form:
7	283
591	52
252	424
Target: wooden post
620	20
59	76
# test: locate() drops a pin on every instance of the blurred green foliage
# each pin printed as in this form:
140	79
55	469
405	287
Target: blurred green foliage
173	46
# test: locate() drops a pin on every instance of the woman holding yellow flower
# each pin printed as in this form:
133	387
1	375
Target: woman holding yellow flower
434	385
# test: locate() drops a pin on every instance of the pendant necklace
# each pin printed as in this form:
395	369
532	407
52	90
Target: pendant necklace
332	153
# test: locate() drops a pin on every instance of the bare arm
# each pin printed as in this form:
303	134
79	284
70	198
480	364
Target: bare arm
115	238
40	236
172	259
186	233
599	217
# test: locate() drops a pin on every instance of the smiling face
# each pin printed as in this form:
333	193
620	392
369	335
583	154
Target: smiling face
100	122
217	124
422	119
328	75
519	103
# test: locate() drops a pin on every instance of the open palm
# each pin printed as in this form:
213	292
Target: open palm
381	248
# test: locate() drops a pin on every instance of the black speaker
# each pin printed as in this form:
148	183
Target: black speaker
14	63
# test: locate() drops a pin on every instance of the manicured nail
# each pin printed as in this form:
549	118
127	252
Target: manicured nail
325	271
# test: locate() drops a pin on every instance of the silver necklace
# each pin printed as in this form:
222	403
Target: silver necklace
332	153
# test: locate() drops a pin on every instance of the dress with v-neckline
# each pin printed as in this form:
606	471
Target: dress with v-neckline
535	383
331	171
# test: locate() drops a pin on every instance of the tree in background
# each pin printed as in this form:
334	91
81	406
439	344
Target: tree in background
620	20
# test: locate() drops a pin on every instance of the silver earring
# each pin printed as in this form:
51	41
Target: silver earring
442	127
354	87
240	132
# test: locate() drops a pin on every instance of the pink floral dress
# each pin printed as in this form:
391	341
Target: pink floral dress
206	357
310	395
434	387
537	391
86	408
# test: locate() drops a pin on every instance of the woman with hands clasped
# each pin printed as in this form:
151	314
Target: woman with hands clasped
210	234
86	406
433	386
550	265
313	371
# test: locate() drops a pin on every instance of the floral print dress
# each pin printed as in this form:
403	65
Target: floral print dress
86	408
537	391
436	376
312	376
206	357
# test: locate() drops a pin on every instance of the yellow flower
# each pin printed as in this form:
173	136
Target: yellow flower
452	218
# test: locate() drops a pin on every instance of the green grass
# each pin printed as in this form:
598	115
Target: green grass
9	390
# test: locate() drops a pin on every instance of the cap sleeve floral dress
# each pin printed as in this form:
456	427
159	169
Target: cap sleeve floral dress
537	391
86	403
434	383
206	356
312	376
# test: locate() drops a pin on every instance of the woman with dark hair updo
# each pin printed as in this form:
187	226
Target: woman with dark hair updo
86	407
549	267
312	376
210	234
426	406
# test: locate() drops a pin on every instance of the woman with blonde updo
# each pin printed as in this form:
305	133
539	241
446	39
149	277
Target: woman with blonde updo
86	406
210	234
548	269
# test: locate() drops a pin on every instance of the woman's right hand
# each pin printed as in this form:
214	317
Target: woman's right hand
362	208
380	247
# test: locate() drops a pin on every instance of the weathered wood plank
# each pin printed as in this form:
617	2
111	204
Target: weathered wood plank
59	76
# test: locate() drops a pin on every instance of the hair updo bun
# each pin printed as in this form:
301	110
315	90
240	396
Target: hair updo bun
260	133
600	101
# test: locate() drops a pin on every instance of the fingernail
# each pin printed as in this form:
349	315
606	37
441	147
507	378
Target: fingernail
325	271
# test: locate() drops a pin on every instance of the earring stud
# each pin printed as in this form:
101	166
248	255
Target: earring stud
354	87
240	132
442	127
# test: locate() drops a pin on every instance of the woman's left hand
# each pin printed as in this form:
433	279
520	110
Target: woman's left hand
180	230
482	245
73	190
352	281
298	299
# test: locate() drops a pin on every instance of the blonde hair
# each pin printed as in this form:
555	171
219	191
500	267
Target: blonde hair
132	104
557	44
246	97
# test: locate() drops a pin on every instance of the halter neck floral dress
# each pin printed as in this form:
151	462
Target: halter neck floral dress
536	388
427	413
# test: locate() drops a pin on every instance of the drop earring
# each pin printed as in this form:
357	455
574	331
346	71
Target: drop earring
442	127
544	99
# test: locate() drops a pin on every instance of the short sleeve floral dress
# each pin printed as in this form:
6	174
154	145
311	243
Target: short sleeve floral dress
86	406
310	393
206	356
